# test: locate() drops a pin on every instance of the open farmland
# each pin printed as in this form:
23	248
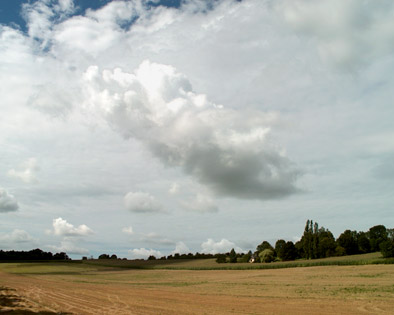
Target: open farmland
210	264
94	289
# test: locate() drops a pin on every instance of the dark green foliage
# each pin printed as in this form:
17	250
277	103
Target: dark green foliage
316	242
390	234
300	248
190	256
221	259
104	256
245	258
387	248
348	240
289	251
327	245
340	251
233	256
267	255
61	256
363	243
377	235
151	257
34	254
264	245
279	248
308	240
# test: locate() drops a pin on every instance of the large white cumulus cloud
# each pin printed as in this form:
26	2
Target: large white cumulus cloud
222	246
229	151
232	152
141	253
62	228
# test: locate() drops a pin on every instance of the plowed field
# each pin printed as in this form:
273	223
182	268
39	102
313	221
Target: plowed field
91	290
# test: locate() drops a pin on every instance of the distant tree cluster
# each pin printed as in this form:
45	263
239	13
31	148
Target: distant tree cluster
106	256
185	256
318	242
188	256
34	254
233	257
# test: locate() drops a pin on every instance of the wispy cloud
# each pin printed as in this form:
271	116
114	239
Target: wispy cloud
27	173
141	202
17	236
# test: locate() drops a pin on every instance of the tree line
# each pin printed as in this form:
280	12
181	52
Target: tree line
316	242
34	254
169	257
319	242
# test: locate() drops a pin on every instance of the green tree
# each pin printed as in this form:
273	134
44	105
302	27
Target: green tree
315	240
387	248
306	239
363	242
300	248
264	245
279	248
348	240
267	255
377	235
245	258
221	259
233	256
289	251
390	234
340	251
61	256
104	256
310	240
326	243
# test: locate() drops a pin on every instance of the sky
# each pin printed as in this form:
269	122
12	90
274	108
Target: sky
142	128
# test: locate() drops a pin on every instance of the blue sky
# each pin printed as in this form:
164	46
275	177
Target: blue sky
202	127
10	10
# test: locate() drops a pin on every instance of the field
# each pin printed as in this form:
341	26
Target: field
95	287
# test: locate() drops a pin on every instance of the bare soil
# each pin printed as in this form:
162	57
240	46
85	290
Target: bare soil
313	290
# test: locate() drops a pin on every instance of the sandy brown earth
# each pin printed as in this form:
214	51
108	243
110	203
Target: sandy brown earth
314	290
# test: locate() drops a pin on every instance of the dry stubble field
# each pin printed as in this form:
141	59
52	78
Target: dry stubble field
84	289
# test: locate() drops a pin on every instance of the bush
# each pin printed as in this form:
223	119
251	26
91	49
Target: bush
387	248
221	259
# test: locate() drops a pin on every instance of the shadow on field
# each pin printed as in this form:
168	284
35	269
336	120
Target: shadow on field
10	303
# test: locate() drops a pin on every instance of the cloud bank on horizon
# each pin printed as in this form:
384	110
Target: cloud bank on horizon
280	105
